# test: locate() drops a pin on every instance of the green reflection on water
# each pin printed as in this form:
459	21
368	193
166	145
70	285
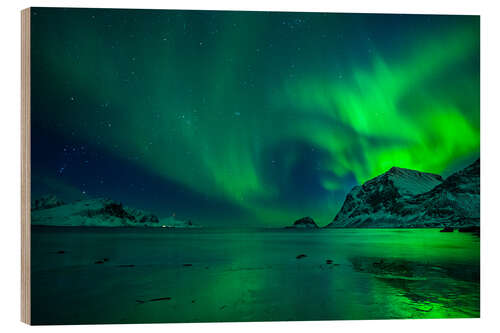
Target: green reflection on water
252	275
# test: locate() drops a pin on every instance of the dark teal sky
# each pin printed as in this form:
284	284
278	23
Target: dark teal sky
246	118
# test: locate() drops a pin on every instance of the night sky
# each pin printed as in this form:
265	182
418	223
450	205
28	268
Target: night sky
246	118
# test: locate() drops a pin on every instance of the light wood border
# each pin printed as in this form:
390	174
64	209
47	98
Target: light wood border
25	166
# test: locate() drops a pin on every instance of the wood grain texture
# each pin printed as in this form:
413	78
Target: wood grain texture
25	166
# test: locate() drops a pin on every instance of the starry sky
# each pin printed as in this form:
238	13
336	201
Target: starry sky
246	118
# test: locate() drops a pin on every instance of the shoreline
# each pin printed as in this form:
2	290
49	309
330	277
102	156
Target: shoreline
41	226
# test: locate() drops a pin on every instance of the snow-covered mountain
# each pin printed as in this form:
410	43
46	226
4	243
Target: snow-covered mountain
47	201
409	198
98	213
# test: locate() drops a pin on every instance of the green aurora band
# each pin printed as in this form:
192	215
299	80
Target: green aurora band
234	105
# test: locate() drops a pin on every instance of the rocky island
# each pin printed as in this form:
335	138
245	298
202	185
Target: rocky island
304	223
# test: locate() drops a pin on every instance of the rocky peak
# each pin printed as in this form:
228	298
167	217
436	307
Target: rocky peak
305	222
409	182
464	181
46	202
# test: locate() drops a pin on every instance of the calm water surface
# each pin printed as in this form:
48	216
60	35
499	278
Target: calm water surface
164	275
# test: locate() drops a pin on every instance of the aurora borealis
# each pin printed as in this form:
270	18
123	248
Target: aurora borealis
246	118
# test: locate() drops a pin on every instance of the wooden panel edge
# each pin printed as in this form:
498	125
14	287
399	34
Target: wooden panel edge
25	166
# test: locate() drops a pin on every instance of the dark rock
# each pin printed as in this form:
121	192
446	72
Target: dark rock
105	259
160	299
61	252
115	209
300	256
329	261
472	228
305	222
98	262
187	265
447	229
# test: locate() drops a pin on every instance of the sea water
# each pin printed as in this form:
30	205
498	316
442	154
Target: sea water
115	275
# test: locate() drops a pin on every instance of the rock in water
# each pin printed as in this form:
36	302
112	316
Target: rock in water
305	222
409	198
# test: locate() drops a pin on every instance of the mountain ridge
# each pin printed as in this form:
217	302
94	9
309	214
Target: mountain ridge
410	198
97	212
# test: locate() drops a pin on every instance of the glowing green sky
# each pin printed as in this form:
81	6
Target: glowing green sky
244	117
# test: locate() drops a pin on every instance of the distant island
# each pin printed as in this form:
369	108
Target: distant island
100	212
304	223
